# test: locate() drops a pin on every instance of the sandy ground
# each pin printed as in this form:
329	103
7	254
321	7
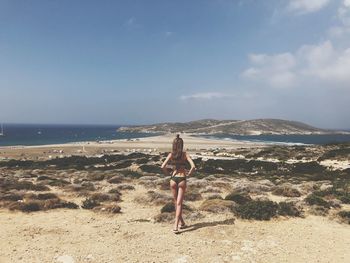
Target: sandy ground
64	235
86	236
150	144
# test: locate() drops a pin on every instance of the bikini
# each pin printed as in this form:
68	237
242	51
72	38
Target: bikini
179	165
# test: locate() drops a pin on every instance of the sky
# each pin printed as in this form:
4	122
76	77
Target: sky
143	62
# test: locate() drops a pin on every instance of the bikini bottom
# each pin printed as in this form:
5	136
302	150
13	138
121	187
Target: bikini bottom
178	179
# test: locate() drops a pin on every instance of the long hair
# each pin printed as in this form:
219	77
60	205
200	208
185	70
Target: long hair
178	145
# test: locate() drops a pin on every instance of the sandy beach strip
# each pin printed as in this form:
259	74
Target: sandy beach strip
156	144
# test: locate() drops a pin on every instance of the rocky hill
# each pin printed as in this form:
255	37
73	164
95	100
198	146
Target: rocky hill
239	127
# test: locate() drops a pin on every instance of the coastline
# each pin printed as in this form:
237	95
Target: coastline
155	144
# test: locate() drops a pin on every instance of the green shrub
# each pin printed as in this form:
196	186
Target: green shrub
345	215
193	196
258	210
89	203
11	196
125	187
131	174
239	198
217	205
287	209
214	196
149	168
286	190
46	196
170	207
314	199
112	208
31	206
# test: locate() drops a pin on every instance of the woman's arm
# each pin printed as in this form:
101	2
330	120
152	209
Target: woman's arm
165	170
193	167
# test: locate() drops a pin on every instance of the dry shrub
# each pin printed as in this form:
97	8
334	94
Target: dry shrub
193	196
112	208
257	209
46	196
217	206
125	187
286	190
84	187
149	168
170	216
170	207
345	216
288	209
210	189
155	198
117	179
11	196
214	196
318	210
100	197
314	199
38	205
115	191
239	198
31	206
96	177
58	182
11	184
221	185
164	217
89	203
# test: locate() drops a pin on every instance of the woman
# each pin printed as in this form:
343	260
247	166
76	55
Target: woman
178	159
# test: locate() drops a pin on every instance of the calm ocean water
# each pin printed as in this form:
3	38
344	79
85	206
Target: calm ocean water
25	134
286	139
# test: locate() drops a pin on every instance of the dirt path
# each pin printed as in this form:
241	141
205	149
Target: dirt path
86	236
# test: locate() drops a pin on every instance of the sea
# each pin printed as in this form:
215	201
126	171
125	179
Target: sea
285	139
39	134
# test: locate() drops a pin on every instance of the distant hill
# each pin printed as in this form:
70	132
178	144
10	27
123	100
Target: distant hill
238	127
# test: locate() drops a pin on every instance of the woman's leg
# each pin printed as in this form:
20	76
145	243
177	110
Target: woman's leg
180	198
173	187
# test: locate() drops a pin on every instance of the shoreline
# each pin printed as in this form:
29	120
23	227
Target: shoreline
159	143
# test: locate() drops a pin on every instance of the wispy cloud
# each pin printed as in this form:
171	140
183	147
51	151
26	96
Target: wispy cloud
206	96
343	27
317	63
301	7
131	23
168	33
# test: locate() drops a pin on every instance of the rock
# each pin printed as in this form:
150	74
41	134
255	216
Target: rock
325	186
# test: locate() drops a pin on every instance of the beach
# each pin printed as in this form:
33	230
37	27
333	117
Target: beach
127	224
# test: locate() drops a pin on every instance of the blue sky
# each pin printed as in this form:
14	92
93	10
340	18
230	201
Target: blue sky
137	62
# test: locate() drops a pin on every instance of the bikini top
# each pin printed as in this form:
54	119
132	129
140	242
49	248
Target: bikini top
181	163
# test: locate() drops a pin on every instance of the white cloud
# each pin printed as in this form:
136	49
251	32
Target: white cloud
276	70
320	63
342	27
306	6
206	96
